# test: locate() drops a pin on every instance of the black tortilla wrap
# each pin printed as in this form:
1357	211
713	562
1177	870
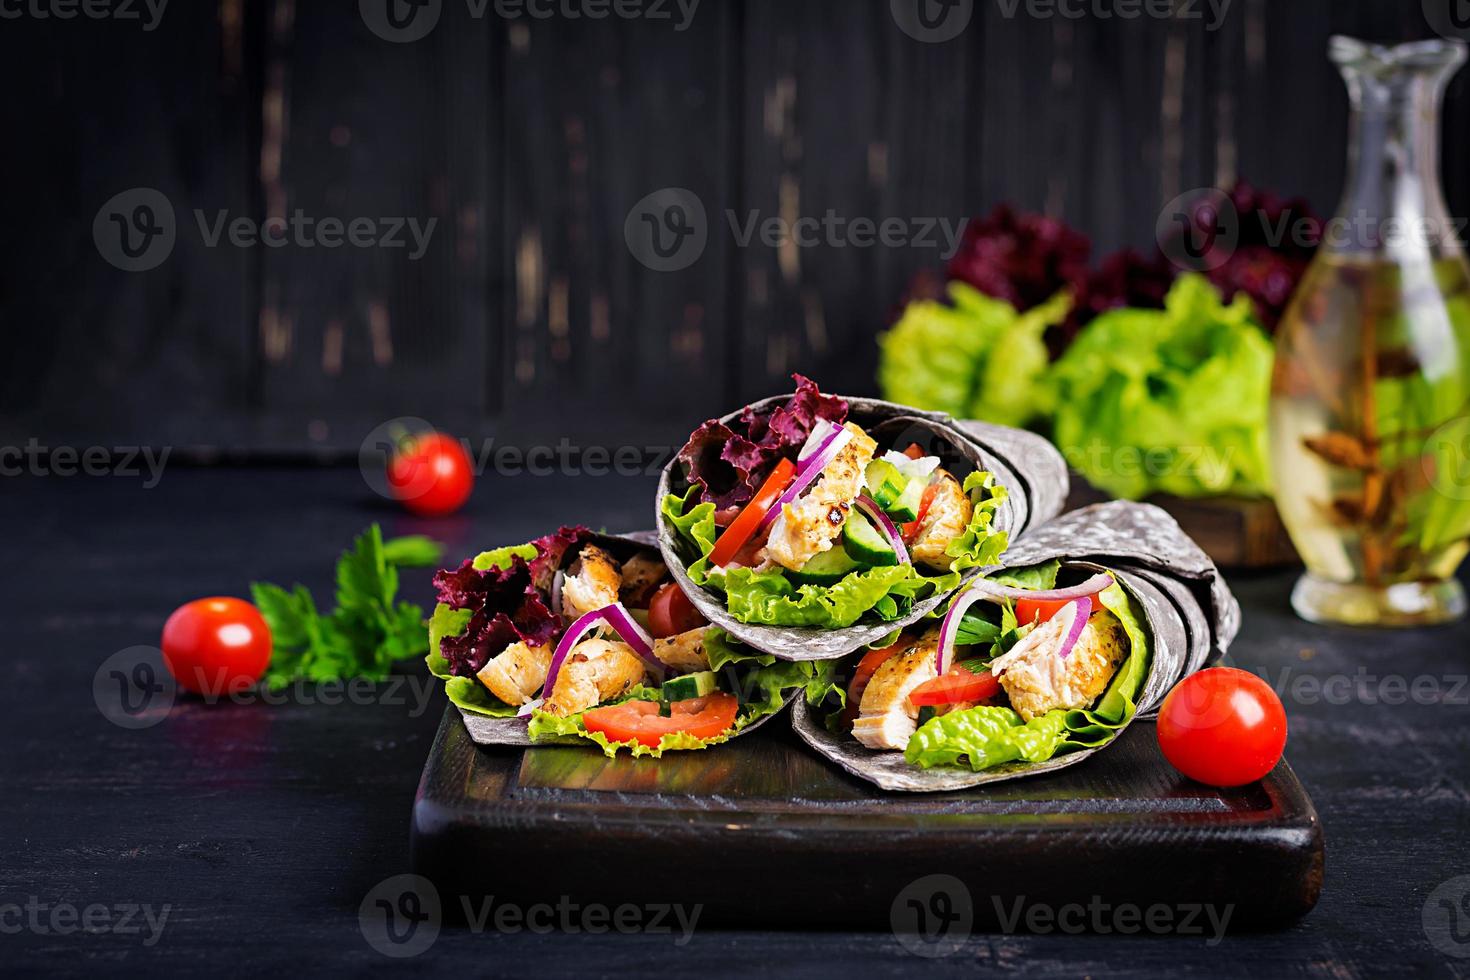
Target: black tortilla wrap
1201	643
1141	535
512	731
1168	642
894	426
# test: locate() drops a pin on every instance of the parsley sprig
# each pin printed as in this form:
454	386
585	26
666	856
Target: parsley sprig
367	632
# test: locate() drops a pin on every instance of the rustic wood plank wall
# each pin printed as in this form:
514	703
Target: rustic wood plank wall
527	141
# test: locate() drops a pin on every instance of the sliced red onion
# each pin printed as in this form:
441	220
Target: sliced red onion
529	707
557	581
615	616
1091	587
986	589
809	469
1064	629
885	526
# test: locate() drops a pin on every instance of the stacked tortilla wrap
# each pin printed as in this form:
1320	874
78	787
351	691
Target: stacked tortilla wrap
1186	612
502	615
1027	475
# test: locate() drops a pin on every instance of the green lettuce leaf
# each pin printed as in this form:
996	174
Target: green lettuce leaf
1170	400
977	358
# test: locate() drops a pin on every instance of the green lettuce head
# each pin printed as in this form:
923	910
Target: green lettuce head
976	359
1170	400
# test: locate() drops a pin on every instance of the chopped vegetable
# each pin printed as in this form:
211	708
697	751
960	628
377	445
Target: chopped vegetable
641	722
622	623
959	686
753	516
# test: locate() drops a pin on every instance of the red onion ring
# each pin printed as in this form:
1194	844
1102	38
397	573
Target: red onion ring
809	469
985	589
622	623
885	527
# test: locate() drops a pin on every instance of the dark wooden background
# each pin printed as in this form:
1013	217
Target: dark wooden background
529	141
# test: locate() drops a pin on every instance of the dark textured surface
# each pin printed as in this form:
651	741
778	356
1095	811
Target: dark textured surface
530	140
265	826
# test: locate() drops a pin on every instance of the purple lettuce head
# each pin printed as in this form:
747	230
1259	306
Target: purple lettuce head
1024	259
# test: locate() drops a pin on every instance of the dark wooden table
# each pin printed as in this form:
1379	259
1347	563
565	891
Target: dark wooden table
262	828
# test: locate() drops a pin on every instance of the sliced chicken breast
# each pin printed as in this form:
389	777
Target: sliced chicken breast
591	583
642	575
946	519
1037	680
517	674
683	653
808	527
595	671
885	719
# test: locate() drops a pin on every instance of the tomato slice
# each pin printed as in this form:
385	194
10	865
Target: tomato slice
1038	610
670	613
925	502
749	519
914	451
956	686
639	721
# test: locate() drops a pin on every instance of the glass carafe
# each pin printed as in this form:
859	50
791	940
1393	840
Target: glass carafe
1371	391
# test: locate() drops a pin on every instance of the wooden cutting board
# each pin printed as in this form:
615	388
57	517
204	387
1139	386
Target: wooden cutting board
762	833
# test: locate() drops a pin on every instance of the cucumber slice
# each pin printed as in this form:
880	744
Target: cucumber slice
828	568
864	543
906	507
688	686
885	483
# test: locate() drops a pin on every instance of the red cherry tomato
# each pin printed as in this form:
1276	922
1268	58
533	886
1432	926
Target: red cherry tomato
1222	727
216	646
670	613
431	475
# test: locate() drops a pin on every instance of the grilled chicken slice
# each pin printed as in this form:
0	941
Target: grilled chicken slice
595	671
591	583
517	674
946	519
642	575
1037	680
808	527
683	653
885	719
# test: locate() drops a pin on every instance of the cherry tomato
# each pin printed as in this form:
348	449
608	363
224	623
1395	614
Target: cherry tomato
1222	727
670	613
431	475
216	646
749	519
639	721
959	685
